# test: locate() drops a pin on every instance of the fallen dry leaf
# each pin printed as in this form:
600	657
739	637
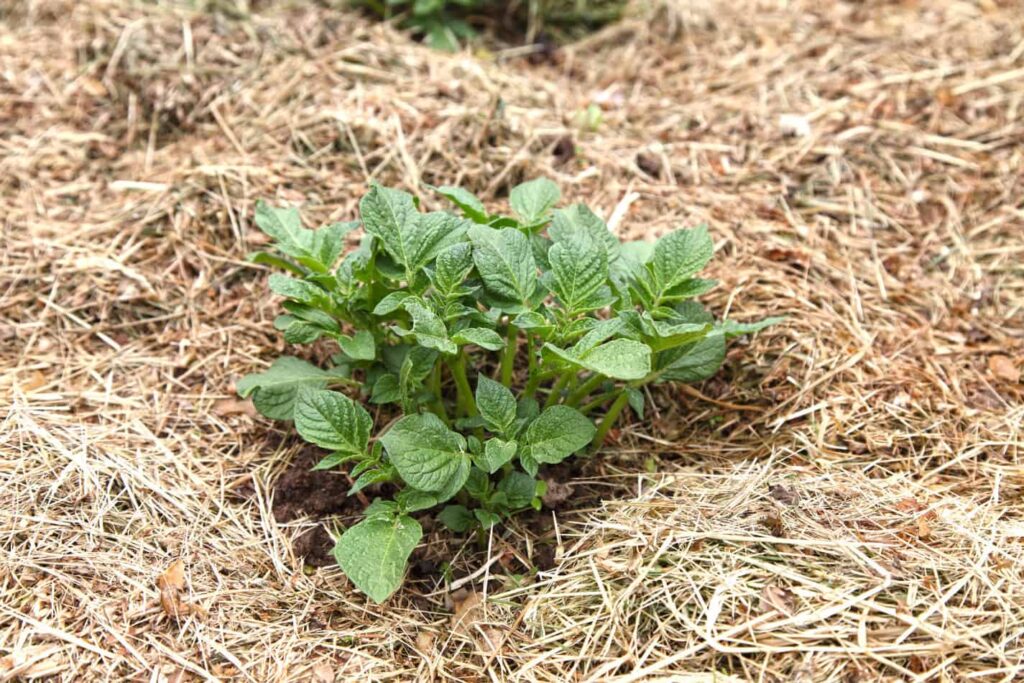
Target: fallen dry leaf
777	599
323	673
557	493
234	406
425	642
32	661
171	583
1003	367
468	620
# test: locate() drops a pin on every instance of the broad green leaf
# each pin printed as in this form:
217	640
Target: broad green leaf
428	455
386	390
533	200
382	509
481	336
360	346
623	359
465	200
315	249
693	362
391	303
266	259
368	478
374	553
556	434
412	239
452	267
299	290
636	400
496	404
534	321
430	330
580	219
310	315
273	391
519	489
579	268
486	518
332	420
457	518
478	485
496	454
301	332
334	459
411	500
688	289
679	256
505	262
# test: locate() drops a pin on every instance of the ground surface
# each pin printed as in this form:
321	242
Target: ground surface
842	503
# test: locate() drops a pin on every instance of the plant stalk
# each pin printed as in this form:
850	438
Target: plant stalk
556	389
508	358
437	405
585	389
609	419
463	393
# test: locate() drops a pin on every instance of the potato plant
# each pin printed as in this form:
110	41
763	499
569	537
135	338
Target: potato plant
503	343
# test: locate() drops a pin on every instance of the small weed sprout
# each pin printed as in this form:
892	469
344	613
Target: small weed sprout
505	342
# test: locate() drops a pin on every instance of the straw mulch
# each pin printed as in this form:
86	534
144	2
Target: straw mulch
842	503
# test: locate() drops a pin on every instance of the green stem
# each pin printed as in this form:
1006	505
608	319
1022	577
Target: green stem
556	390
534	382
609	419
464	394
600	400
531	364
437	405
508	358
585	389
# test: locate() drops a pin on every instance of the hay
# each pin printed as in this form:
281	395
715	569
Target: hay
842	503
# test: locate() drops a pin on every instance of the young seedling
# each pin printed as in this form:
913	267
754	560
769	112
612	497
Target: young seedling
504	343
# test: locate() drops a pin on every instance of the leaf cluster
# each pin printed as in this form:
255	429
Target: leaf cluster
503	342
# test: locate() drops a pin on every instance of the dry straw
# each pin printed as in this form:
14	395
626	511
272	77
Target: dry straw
844	503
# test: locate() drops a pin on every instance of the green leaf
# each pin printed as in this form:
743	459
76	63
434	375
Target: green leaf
430	330
478	485
372	476
412	239
496	404
486	518
579	269
386	390
679	256
301	332
693	362
374	553
457	518
636	400
273	391
428	455
266	259
623	359
334	459
556	434
472	207
411	500
481	336
580	219
315	249
533	200
496	454
452	267
332	420
359	346
519	489
391	303
299	290
505	262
